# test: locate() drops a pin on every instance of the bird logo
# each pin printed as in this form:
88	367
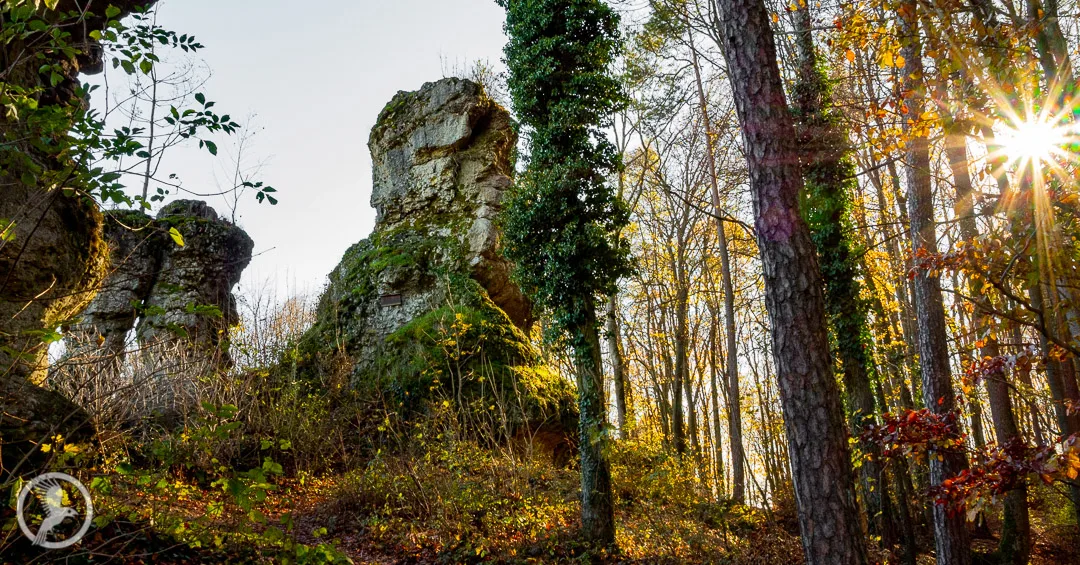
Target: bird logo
54	507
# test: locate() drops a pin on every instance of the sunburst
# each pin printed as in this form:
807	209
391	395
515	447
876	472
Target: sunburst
1039	139
1035	142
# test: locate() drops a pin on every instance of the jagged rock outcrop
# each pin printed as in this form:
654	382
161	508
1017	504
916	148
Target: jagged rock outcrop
440	164
192	291
52	253
174	291
135	246
426	303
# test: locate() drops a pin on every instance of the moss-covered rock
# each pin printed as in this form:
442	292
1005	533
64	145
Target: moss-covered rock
192	291
424	309
53	255
175	291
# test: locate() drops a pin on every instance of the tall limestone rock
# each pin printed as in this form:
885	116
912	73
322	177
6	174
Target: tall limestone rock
426	303
192	291
175	292
135	244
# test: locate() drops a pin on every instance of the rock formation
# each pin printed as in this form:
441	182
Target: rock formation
174	291
135	246
52	253
193	287
426	302
441	161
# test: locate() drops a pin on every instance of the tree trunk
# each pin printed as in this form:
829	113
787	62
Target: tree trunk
1055	377
813	417
714	371
1053	49
734	395
618	378
1023	376
1015	543
950	533
597	504
734	398
828	172
681	363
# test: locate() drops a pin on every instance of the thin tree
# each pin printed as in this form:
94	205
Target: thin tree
562	219
951	540
734	397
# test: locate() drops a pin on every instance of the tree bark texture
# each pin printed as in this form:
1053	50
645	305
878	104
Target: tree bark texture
813	417
951	541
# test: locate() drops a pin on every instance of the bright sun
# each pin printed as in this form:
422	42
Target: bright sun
1034	141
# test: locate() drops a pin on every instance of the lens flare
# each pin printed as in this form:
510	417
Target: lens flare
1034	141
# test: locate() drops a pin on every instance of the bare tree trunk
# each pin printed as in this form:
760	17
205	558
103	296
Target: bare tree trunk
681	364
1023	375
714	370
1015	543
618	377
813	417
734	395
951	541
692	416
1056	377
734	404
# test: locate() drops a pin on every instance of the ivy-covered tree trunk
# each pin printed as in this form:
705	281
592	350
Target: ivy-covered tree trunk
813	417
597	504
829	175
563	222
950	533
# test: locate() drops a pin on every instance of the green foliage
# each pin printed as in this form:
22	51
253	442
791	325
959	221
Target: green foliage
200	449
562	221
51	136
829	174
465	349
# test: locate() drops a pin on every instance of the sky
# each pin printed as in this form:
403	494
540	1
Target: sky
316	76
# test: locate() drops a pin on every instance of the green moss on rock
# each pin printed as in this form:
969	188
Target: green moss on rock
424	309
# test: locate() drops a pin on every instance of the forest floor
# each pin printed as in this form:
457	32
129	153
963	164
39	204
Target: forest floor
181	520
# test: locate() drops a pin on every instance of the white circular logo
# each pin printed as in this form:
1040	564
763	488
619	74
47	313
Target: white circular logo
56	503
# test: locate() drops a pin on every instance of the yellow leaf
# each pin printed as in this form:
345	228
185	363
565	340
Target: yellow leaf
775	18
899	62
850	55
175	235
887	59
